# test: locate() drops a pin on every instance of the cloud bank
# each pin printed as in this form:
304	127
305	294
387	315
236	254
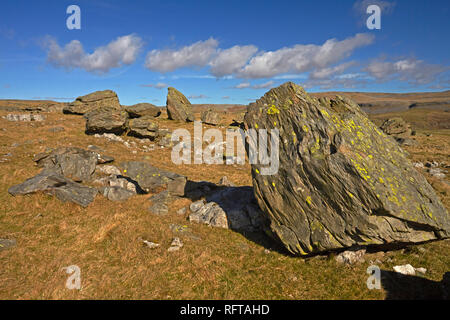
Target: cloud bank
122	51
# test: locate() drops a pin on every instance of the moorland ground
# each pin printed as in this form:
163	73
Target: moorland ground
104	238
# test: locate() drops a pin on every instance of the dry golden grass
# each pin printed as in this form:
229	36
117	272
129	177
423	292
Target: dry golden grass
104	239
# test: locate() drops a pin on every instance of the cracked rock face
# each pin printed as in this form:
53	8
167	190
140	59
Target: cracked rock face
341	181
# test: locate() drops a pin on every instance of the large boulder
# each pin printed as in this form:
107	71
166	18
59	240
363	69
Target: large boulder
106	120
396	127
210	117
81	105
143	128
178	106
341	181
143	110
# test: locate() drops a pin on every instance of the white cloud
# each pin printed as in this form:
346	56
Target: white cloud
122	51
246	62
303	58
242	85
229	61
328	72
198	54
410	70
245	85
200	96
159	85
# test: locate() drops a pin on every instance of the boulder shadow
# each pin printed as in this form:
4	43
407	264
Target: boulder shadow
405	287
240	206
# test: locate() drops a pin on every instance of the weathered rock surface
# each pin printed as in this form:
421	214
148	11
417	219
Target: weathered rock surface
74	163
152	179
92	101
56	184
160	203
143	110
341	181
396	127
143	128
178	106
116	193
210	117
106	120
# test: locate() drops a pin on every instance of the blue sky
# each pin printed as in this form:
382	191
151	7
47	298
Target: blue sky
220	51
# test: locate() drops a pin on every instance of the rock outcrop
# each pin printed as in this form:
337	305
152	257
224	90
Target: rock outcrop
143	128
396	127
81	105
400	130
143	110
56	184
178	106
106	120
210	117
341	181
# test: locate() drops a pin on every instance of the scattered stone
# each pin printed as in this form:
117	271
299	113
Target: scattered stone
24	117
210	117
437	173
160	203
152	179
176	245
109	136
56	184
92	101
332	189
418	165
117	193
197	205
406	269
108	170
143	110
150	244
210	214
351	257
182	211
178	106
225	182
56	129
432	164
7	244
421	270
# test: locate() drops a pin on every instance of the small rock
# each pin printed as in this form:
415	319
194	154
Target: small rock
406	269
197	205
225	182
7	243
108	170
150	244
176	245
117	193
421	270
182	211
351	256
418	164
